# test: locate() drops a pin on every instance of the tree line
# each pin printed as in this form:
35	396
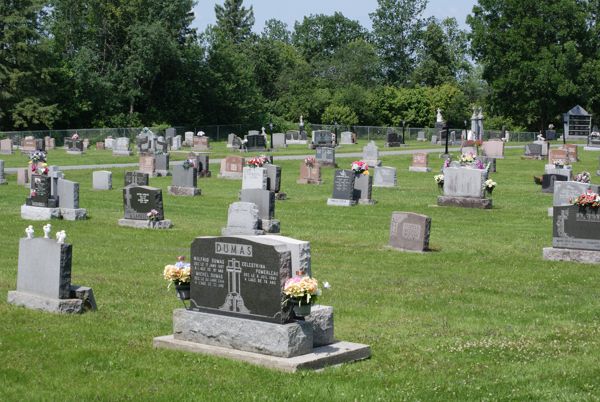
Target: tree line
89	63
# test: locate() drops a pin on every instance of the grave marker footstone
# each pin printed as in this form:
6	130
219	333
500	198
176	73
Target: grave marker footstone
410	231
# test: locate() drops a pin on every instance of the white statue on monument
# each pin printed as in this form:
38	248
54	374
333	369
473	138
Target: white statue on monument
47	228
29	232
439	118
61	236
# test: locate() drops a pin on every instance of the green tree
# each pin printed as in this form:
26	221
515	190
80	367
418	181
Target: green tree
531	53
234	21
339	114
276	30
396	28
322	35
28	70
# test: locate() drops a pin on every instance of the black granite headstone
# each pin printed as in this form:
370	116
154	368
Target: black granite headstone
322	137
343	185
273	177
256	142
576	227
40	190
394	140
239	277
137	178
139	200
548	181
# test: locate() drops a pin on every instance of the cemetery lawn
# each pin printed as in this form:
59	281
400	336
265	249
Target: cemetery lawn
481	317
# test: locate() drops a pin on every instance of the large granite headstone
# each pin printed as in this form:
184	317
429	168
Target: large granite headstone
254	177
240	277
41	191
464	182
393	140
322	137
409	231
325	156
279	141
139	200
184	182
343	189
256	142
264	200
161	166
493	149
576	228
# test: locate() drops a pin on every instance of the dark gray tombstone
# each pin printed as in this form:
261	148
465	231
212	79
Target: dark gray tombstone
161	162
240	277
343	185
184	177
137	179
68	194
41	190
393	140
273	177
170	132
322	137
139	200
410	231
264	200
548	181
576	228
533	150
325	156
363	187
256	142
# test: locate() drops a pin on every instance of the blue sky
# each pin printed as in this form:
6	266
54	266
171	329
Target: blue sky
290	11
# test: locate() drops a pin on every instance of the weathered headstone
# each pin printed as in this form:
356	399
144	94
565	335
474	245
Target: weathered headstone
188	138
136	179
6	146
309	174
493	149
100	146
147	164
185	181
346	138
371	154
242	219
325	156
322	137
571	152
109	142
200	143
102	180
176	143
29	144
393	140
162	164
233	141
279	141
44	278
464	187
420	162
254	177
558	156
232	167
68	200
121	147
385	176
343	189
49	143
410	231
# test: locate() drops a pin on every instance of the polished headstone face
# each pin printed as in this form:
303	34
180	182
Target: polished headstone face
137	178
256	142
575	227
264	200
254	177
184	177
41	187
549	179
409	231
68	194
343	185
325	155
322	137
44	268
139	200
240	277
566	191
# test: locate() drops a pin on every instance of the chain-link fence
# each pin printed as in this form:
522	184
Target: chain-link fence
220	132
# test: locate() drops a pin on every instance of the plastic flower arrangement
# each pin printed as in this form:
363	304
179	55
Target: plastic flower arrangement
257	161
583	177
188	163
310	161
439	179
589	199
467	159
75	137
360	167
490	185
301	289
177	273
560	162
152	215
37	160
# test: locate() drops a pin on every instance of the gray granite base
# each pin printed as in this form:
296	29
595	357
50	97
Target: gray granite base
367	202
71	214
336	202
122	153
464	202
74	152
419	169
296	142
282	340
139	224
568	254
321	320
31	213
305	181
35	302
321	357
184	191
271	225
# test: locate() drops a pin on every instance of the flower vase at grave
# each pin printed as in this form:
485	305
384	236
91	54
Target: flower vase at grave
183	290
300	310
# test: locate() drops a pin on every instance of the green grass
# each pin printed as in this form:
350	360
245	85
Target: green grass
482	317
